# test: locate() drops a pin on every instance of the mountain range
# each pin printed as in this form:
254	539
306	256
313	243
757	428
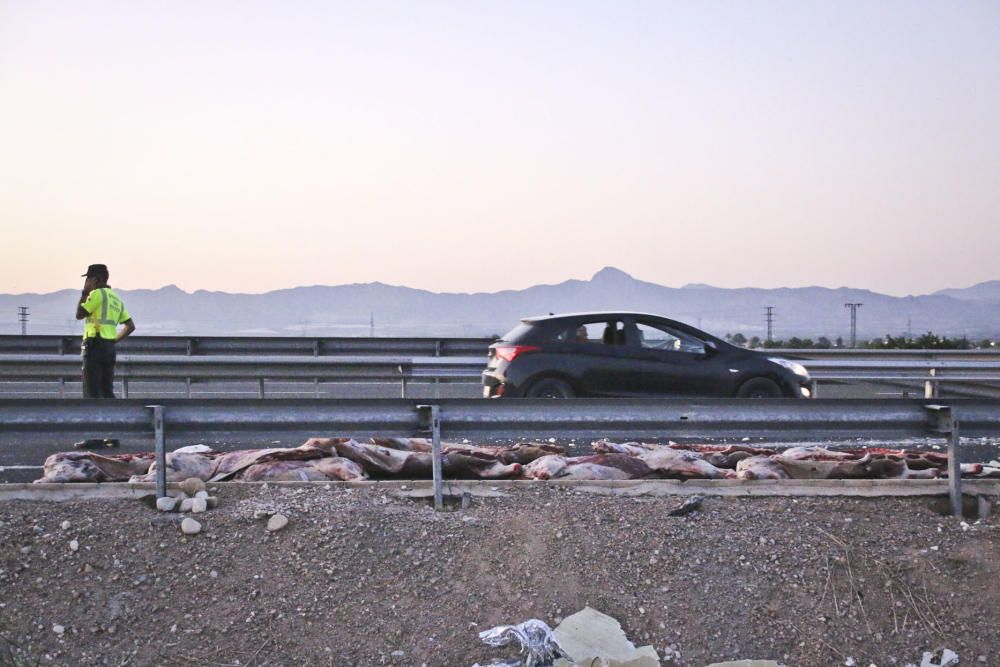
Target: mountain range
350	310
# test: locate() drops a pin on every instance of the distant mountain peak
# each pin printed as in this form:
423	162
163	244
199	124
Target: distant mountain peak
609	273
698	286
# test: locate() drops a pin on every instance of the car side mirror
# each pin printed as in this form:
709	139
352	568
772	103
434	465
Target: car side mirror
711	349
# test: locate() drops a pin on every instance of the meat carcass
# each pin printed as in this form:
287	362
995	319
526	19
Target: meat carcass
381	461
90	467
593	467
193	461
821	463
317	470
667	461
725	456
760	467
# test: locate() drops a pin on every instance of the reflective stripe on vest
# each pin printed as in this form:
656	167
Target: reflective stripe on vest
104	308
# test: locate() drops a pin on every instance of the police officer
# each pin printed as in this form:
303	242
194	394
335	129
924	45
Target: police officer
103	311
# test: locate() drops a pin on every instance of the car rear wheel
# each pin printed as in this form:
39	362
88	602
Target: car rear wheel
550	388
759	388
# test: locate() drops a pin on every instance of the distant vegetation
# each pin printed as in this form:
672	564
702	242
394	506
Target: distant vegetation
927	341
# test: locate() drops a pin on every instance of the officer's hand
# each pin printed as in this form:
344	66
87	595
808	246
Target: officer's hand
89	284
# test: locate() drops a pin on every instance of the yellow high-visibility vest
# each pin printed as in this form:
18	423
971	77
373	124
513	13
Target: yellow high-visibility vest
105	311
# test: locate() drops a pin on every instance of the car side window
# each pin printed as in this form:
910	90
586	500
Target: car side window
660	337
603	332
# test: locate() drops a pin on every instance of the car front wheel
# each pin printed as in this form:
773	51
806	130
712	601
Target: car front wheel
550	388
759	388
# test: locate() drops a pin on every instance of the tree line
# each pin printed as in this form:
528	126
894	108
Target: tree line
927	341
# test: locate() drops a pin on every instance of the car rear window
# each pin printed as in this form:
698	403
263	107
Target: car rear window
517	333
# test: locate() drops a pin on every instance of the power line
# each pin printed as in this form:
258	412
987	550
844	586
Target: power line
854	322
769	317
22	317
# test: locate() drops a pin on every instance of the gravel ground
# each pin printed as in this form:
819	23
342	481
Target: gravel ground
361	577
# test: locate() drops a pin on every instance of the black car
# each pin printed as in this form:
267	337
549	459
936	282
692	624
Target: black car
631	354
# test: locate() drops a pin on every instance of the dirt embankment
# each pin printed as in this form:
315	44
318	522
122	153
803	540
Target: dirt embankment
360	577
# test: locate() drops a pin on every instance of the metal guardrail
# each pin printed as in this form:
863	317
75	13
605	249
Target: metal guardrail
256	346
510	418
393	346
190	370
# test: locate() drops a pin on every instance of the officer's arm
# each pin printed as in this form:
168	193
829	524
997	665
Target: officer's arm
81	312
127	331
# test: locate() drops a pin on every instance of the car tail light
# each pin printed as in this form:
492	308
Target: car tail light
511	352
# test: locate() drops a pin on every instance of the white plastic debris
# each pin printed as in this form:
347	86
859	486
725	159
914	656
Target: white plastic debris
947	658
537	644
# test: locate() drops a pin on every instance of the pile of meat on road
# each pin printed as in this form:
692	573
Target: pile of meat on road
347	459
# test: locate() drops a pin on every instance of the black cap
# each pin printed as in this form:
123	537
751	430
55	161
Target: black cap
96	270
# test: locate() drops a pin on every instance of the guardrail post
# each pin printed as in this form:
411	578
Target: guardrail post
944	421
161	451
813	384
190	347
125	387
402	381
187	387
260	387
430	416
930	386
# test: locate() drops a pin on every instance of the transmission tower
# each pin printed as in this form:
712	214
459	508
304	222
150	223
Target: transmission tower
854	322
769	317
22	317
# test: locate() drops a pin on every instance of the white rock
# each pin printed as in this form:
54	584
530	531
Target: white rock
198	505
187	504
58	629
166	504
277	522
190	527
65	525
201	494
74	545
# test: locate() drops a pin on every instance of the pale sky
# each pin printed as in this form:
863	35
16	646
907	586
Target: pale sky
479	146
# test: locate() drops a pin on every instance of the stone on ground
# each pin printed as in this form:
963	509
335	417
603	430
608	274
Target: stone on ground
166	504
277	522
589	635
190	527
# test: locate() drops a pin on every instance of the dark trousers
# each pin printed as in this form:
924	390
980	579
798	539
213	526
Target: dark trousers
98	368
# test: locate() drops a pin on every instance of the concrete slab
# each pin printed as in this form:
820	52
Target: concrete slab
492	488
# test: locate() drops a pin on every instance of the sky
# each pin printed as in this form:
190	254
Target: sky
481	146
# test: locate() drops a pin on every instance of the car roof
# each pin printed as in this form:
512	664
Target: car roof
574	316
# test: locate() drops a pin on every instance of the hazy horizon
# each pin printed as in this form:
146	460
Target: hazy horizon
113	283
253	146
